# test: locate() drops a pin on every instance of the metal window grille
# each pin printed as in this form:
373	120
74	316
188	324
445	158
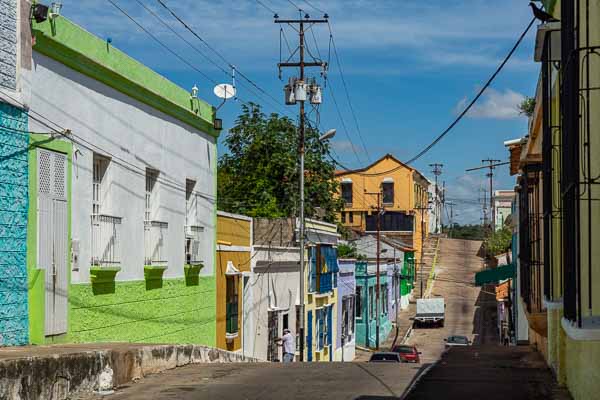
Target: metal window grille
155	237
388	192
347	192
570	155
232	308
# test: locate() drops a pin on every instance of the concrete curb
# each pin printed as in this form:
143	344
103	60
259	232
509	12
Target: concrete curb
58	376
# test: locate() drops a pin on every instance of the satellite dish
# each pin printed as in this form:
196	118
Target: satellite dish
224	91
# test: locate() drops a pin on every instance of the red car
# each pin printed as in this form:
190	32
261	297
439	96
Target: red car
407	353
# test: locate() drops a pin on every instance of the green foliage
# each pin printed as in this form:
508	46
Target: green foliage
499	242
346	251
468	232
527	106
259	174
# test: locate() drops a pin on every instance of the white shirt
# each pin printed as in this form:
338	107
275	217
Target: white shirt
288	343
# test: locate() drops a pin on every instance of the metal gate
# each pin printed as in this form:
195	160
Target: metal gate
52	237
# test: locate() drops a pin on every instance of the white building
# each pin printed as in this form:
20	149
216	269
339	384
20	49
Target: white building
271	297
436	197
502	206
123	197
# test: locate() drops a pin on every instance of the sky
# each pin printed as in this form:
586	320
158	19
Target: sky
410	66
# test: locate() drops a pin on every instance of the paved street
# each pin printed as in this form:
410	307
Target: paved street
274	381
469	310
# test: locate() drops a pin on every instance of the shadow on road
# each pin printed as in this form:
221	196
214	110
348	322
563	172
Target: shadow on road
485	318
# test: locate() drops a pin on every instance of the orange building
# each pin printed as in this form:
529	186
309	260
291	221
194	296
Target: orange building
234	252
403	195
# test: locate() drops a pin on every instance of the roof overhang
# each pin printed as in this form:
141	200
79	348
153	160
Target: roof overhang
495	275
548	31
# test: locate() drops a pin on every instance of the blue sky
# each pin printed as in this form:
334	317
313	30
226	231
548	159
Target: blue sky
409	64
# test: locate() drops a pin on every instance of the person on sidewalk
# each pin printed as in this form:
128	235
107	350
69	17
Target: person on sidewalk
287	342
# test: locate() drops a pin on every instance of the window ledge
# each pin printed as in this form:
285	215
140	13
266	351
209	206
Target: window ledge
590	331
103	274
154	272
229	337
193	269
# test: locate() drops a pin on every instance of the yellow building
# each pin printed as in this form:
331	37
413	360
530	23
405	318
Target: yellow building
234	252
401	191
567	119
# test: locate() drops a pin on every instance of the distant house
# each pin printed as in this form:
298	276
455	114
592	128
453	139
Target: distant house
275	294
502	206
234	254
403	194
345	349
368	311
108	187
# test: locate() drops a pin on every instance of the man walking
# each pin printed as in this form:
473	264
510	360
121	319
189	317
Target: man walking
287	342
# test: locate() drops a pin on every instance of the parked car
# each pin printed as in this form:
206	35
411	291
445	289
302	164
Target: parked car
457	340
407	353
385	357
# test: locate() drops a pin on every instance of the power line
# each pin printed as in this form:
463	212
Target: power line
69	135
479	94
314	7
178	56
339	64
462	114
263	5
193	32
295	5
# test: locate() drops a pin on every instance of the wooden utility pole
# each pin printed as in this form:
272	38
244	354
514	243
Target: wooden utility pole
422	209
379	209
300	23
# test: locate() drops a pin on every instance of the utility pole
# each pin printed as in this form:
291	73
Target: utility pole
492	164
422	209
379	209
451	204
299	93
437	171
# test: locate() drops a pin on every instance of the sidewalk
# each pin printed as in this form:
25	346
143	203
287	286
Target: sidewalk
59	371
490	372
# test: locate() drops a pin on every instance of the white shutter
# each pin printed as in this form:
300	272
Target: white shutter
44	208
60	266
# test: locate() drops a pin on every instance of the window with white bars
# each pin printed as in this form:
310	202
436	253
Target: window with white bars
100	165
151	178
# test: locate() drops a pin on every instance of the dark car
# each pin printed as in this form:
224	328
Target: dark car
457	340
407	353
387	357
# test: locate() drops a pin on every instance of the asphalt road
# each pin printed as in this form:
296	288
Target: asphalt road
470	311
274	381
467	313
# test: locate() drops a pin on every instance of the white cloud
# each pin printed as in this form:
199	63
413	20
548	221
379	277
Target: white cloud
494	104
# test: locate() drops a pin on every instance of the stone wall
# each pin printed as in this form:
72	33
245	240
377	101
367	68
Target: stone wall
13	224
8	44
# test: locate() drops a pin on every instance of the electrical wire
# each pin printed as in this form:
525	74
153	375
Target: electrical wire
479	94
460	116
73	137
339	65
263	5
311	5
193	32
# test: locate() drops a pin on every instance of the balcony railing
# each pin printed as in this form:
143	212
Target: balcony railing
192	244
155	237
106	240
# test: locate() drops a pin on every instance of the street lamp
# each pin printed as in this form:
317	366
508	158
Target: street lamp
326	136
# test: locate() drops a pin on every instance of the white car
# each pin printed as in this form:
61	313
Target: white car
457	340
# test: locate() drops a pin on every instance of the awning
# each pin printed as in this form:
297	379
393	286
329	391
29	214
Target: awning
495	275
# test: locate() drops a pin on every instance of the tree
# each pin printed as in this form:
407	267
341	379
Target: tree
259	174
499	242
527	106
347	250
